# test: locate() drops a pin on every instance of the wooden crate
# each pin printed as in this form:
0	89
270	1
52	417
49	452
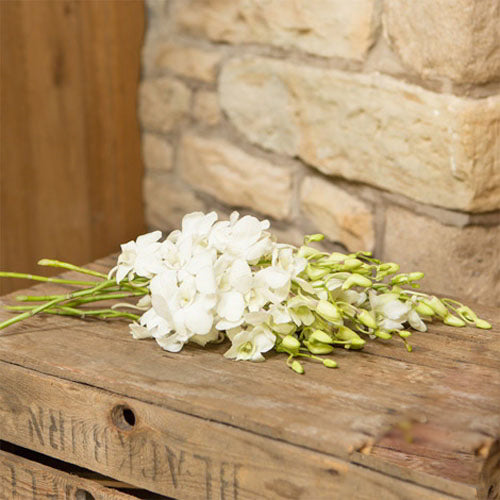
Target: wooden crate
385	424
21	478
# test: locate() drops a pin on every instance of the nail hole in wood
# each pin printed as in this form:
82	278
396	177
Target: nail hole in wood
123	417
83	495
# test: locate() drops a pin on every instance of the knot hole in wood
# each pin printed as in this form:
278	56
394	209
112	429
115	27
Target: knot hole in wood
123	417
83	495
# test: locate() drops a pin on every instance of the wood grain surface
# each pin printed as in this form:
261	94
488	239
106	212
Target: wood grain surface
173	453
22	479
70	160
429	418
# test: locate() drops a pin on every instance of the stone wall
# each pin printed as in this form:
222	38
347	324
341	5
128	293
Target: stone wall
376	122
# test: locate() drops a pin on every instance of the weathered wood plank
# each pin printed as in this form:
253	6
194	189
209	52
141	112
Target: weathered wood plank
172	453
69	138
448	389
22	479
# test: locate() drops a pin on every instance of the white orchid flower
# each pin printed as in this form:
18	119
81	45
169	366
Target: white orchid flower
185	310
140	257
244	238
395	312
250	344
139	332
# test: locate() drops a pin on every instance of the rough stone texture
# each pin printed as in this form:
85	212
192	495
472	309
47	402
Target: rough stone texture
206	107
167	201
157	153
234	177
163	102
460	262
338	215
435	148
459	39
186	61
326	28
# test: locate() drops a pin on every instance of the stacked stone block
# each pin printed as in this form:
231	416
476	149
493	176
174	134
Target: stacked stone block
376	122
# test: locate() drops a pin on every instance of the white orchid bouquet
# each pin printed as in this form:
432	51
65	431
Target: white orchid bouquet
230	279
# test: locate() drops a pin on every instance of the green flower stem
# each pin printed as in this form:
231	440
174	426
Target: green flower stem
131	286
53	302
104	313
34	277
104	296
70	311
42	298
70	267
76	302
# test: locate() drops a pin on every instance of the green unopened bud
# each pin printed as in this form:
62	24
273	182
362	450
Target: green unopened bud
290	343
315	273
482	323
313	237
336	257
453	321
297	367
367	319
400	279
318	348
415	276
350	264
308	252
328	310
404	334
346	334
384	270
383	335
329	363
424	310
467	314
355	344
356	280
321	336
439	308
390	267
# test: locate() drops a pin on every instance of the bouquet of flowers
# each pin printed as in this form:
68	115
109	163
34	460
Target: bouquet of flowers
213	280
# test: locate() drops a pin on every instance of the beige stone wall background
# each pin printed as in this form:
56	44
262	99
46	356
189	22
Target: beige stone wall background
376	122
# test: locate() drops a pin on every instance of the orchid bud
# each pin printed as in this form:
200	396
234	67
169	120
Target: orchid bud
315	273
481	323
345	333
334	258
308	252
467	314
415	276
313	237
290	343
400	279
318	348
328	310
385	269
356	280
453	321
350	264
321	336
297	367
367	319
424	310
329	363
439	308
404	334
355	344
